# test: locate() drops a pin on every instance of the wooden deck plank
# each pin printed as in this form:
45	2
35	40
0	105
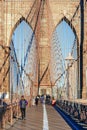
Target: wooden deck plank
56	122
34	120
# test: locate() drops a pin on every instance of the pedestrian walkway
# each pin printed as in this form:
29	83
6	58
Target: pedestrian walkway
41	117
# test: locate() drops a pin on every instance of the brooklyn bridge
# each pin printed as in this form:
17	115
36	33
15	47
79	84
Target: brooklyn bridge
43	57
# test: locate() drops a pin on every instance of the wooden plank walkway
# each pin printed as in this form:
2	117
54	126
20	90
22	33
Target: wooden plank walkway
56	122
34	120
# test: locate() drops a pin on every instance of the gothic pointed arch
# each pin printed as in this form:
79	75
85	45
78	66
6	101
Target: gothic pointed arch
17	23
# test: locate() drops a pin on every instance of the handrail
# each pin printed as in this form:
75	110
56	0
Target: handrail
9	114
76	109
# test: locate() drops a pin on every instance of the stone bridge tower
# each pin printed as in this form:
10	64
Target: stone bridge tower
48	14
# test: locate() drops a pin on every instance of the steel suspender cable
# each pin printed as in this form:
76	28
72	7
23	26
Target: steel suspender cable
43	74
85	52
31	41
31	10
56	42
33	16
5	76
32	37
4	62
16	61
75	12
14	53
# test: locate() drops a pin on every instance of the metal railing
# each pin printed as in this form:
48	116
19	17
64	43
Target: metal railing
77	110
9	114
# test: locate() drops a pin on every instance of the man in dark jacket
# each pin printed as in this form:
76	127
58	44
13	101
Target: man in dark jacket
36	100
23	103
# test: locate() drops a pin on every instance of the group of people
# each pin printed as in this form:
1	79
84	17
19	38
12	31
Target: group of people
44	99
23	104
37	99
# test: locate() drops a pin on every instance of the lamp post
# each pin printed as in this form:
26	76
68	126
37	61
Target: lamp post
68	60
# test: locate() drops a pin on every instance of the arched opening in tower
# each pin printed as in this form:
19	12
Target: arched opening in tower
23	58
64	61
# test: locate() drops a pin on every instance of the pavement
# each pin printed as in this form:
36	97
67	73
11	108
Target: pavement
41	117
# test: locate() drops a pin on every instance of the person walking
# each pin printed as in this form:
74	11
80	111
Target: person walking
53	102
36	100
23	103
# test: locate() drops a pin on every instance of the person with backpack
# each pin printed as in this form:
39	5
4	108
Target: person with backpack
23	103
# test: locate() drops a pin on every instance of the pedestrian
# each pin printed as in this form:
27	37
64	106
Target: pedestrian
33	101
42	99
3	108
23	103
53	102
36	100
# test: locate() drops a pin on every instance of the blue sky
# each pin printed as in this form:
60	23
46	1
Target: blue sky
62	43
21	39
66	38
23	32
22	36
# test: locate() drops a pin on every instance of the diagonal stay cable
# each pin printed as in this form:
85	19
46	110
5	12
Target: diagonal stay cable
59	54
69	67
31	10
4	62
16	60
8	68
55	39
41	8
33	16
32	37
71	63
28	45
43	74
75	13
5	76
15	54
5	47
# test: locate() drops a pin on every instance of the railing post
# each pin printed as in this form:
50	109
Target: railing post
3	122
17	110
11	115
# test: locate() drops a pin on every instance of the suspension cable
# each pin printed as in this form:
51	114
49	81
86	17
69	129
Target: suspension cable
5	76
4	62
31	10
75	12
16	60
22	67
43	74
84	52
32	37
55	40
